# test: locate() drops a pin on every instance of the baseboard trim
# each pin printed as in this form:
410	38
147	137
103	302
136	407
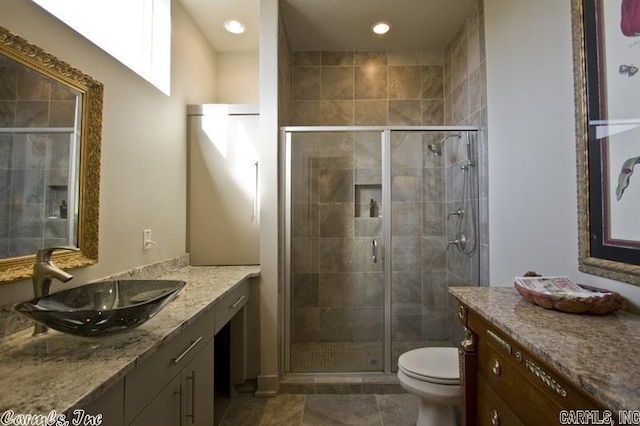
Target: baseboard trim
267	386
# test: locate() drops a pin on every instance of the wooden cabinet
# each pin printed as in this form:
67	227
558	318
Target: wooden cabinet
504	384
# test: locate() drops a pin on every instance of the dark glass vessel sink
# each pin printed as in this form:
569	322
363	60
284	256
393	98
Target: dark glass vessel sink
101	308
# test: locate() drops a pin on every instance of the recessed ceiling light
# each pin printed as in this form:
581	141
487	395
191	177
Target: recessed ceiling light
233	26
381	27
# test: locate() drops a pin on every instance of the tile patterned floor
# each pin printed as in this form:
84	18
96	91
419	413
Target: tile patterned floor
322	409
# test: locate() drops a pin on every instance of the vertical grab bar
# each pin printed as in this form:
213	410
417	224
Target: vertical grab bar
374	251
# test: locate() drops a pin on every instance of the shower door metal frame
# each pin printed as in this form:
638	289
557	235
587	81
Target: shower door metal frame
385	151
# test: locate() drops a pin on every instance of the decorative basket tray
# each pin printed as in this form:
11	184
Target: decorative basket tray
561	294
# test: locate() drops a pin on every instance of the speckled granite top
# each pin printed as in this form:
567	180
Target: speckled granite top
599	354
59	371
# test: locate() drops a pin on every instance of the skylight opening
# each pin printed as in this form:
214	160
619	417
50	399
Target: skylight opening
136	33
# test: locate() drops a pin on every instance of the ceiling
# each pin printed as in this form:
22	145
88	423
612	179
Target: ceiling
335	24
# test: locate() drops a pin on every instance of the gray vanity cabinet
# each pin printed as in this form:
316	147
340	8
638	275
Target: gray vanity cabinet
175	382
197	389
187	399
110	406
175	385
164	409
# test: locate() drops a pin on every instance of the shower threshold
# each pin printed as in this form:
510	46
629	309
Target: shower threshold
349	357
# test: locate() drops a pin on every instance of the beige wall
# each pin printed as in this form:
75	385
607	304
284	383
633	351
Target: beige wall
143	172
532	144
237	78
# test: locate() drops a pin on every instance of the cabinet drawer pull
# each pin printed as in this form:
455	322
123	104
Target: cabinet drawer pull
237	302
495	418
496	368
500	341
192	377
179	393
546	378
186	351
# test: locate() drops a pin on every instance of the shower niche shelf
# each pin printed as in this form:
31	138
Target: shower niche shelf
368	201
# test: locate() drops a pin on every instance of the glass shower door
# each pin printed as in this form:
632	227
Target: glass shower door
336	306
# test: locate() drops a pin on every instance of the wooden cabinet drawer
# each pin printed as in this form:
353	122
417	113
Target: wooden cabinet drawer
526	401
492	410
533	391
229	304
155	372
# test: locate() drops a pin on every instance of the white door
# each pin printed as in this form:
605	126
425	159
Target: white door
223	190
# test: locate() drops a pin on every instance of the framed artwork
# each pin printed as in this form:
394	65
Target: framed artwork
606	54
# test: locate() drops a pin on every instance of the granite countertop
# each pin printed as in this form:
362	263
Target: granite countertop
60	372
598	354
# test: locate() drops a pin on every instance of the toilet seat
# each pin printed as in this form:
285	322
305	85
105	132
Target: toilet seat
434	365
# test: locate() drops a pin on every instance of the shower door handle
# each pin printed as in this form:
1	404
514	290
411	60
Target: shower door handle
374	251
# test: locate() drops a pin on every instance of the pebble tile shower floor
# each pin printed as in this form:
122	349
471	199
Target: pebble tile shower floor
348	356
322	409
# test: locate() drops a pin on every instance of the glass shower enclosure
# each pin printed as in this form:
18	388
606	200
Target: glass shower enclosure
379	222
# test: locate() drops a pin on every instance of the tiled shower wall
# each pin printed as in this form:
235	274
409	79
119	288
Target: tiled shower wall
367	88
466	105
384	88
33	167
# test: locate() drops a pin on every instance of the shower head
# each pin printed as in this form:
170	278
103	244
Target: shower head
436	148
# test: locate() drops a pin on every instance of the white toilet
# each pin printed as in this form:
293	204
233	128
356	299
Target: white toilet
433	375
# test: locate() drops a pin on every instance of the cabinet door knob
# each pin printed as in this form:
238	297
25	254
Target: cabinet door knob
495	418
496	368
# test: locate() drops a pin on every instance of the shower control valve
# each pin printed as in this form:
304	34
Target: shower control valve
460	242
459	213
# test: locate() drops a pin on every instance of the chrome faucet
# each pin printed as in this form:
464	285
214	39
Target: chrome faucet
43	272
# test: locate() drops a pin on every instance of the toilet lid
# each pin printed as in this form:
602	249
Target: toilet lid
436	365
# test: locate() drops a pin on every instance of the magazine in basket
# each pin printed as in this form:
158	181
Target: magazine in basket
560	286
562	294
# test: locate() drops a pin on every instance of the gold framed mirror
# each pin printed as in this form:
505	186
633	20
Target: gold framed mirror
607	127
50	135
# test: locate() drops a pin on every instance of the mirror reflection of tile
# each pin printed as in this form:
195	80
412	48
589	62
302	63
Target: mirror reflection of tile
34	167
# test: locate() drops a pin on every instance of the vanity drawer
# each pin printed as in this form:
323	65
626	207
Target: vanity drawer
532	390
513	387
230	304
492	410
155	372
